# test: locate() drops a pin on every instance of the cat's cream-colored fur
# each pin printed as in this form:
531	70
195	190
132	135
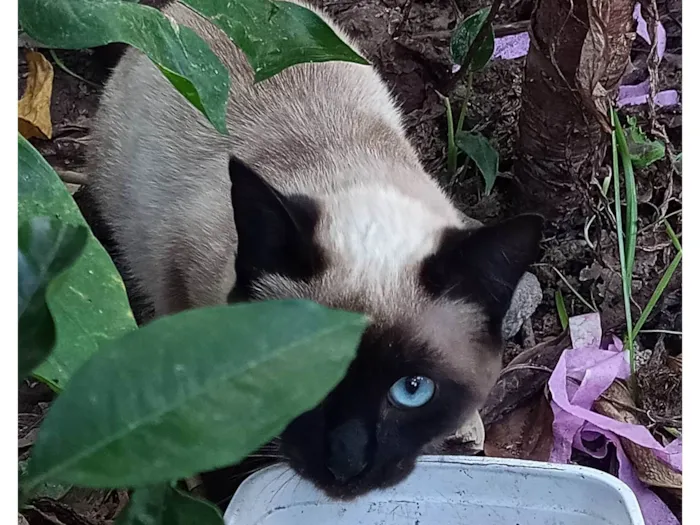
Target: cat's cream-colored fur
330	130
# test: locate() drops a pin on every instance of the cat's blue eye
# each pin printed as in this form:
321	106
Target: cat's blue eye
412	391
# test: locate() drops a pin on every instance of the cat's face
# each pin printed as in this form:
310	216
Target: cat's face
432	350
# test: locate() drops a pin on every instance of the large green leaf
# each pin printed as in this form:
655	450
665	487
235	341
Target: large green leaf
179	52
275	35
164	505
192	392
91	306
463	37
479	149
46	247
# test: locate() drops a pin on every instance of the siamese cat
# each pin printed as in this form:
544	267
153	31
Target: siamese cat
318	194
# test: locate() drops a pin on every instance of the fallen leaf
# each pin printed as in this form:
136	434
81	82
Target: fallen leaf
34	108
604	56
617	403
524	377
47	510
525	433
676	363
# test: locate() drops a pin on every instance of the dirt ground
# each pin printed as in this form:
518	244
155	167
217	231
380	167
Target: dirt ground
410	47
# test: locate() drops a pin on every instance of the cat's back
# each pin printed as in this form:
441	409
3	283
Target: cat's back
158	169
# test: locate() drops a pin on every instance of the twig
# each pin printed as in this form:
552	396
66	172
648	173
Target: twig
511	29
61	65
72	177
405	11
513	368
471	52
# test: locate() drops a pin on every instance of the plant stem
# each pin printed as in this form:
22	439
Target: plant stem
467	96
630	197
451	148
663	283
62	66
629	343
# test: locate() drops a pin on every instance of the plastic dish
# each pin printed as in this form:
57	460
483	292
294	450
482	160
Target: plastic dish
446	490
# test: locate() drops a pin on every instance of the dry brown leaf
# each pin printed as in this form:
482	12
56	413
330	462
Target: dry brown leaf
676	363
525	433
617	403
604	55
34	108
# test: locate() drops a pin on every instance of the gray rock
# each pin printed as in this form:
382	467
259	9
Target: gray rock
526	298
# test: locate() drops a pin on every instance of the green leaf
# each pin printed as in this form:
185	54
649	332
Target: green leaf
643	152
192	392
463	37
46	248
561	310
275	35
478	148
178	51
91	306
165	505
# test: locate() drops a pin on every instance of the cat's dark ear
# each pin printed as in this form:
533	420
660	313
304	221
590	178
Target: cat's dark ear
275	232
484	265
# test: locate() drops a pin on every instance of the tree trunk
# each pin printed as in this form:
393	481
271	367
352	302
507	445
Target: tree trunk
578	54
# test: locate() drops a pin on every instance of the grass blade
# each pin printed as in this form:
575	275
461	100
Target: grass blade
630	196
626	292
663	283
561	310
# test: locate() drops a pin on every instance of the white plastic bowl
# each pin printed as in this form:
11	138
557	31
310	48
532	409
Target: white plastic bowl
446	490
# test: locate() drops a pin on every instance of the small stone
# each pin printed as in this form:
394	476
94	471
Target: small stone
526	298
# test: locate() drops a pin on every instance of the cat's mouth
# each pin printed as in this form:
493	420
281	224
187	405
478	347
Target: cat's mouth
373	477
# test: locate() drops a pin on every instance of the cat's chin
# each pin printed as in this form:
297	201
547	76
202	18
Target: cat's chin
377	478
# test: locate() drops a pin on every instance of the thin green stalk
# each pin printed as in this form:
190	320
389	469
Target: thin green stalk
467	96
626	292
663	283
451	147
561	310
630	196
62	66
570	287
673	236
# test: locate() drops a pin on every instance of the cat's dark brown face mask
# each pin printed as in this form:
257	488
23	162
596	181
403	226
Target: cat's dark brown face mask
395	399
424	365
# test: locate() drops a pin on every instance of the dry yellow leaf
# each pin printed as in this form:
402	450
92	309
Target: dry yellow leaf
34	108
651	471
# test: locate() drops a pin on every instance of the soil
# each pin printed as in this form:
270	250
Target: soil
408	42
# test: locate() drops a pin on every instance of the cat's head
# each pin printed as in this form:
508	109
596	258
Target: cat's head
435	293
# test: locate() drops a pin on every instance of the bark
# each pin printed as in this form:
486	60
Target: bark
578	54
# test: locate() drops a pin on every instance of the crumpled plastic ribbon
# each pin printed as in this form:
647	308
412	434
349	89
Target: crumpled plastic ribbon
576	425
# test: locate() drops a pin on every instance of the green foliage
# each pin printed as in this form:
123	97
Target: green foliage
627	232
46	248
165	505
91	307
192	392
663	283
561	310
642	151
273	35
179	52
463	37
479	149
189	392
